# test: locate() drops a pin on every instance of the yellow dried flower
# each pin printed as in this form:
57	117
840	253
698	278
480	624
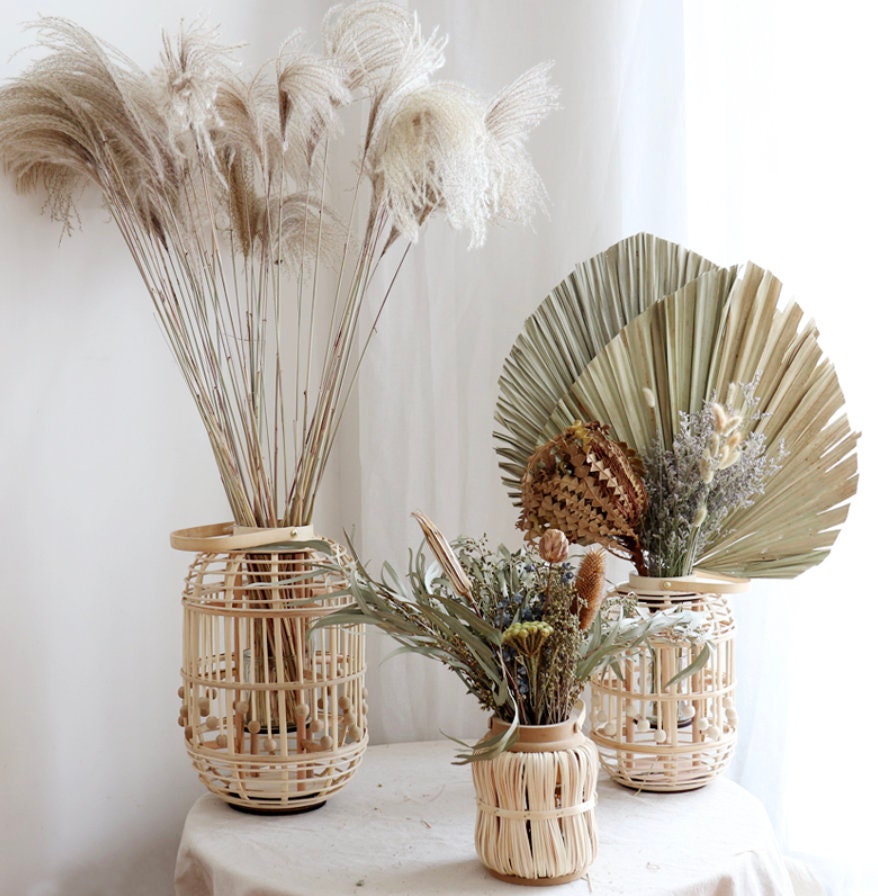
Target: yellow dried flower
527	637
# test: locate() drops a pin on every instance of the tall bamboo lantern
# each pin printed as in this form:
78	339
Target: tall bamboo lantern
273	714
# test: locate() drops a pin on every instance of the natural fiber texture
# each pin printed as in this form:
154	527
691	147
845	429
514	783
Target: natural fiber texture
569	327
590	587
274	715
219	184
535	820
659	734
587	486
705	340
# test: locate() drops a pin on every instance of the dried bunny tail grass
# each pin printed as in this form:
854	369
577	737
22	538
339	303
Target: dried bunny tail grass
374	41
431	155
85	114
309	90
590	587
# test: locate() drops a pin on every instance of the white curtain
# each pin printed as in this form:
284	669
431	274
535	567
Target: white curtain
102	454
781	169
613	163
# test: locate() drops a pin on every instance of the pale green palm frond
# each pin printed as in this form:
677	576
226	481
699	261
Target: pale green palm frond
702	343
667	350
570	326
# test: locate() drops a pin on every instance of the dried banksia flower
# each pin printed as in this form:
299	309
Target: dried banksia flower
590	588
588	486
554	546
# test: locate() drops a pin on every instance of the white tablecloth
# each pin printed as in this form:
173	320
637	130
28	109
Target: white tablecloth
404	827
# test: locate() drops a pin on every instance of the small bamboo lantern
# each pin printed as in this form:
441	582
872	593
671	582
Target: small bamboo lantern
274	715
535	820
655	735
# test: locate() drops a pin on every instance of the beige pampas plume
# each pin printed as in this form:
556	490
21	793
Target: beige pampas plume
377	42
590	587
310	90
510	118
220	186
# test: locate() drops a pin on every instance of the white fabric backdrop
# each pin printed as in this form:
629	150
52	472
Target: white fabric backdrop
102	454
781	169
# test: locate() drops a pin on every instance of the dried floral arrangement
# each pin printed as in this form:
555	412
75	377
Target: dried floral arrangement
679	416
522	629
220	186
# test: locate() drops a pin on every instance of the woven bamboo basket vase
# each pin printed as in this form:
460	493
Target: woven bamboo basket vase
535	815
274	715
660	736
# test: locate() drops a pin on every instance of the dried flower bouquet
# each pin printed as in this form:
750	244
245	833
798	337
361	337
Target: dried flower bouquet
522	629
223	190
679	415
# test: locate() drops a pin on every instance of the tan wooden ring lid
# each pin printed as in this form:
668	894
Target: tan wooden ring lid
701	581
218	537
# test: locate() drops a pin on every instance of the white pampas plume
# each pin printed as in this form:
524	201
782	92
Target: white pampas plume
192	66
522	105
517	189
310	88
430	155
373	40
248	111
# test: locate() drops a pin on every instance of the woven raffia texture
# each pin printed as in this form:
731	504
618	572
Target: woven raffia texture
535	821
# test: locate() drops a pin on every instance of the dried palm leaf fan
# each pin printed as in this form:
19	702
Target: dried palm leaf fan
705	341
571	325
711	332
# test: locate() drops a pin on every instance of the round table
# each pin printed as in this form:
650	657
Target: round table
404	827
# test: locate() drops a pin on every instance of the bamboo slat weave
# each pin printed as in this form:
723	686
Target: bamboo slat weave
274	715
656	736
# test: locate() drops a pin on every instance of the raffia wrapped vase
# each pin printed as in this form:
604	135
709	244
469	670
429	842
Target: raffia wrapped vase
535	819
274	714
656	734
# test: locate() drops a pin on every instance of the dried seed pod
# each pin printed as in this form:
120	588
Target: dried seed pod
588	486
590	588
554	546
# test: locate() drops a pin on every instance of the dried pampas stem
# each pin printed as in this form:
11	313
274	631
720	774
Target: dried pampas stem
219	187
